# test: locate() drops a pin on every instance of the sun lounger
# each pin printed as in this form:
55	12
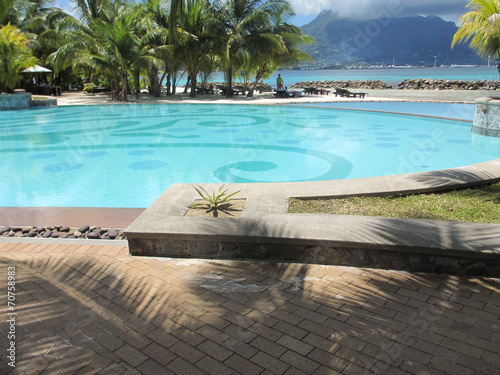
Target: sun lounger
235	91
315	91
287	94
343	93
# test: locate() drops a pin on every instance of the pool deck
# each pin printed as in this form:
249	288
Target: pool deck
92	309
87	307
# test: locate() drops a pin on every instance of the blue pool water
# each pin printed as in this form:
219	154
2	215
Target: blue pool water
449	110
128	155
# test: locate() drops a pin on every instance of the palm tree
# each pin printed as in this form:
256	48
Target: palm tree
10	12
481	26
155	23
76	39
244	23
196	43
120	45
15	55
281	48
176	17
106	37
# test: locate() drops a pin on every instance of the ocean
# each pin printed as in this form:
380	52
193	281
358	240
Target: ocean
392	76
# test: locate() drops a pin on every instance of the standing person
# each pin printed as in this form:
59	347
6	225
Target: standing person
279	82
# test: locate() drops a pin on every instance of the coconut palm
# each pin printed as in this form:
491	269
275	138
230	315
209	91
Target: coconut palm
106	37
176	17
77	38
481	26
196	42
281	49
15	55
155	23
120	44
10	12
242	24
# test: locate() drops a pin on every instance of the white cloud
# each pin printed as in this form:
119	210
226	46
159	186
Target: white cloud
370	8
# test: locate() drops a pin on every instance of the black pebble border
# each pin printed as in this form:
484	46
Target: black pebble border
85	231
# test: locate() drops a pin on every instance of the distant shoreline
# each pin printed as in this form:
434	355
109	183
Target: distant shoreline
391	76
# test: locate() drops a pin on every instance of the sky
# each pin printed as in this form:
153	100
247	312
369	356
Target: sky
307	10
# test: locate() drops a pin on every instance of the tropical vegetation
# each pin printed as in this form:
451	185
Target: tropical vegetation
481	27
130	45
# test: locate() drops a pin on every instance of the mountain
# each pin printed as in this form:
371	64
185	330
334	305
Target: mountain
416	41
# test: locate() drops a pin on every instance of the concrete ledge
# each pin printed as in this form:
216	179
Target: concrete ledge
44	102
266	231
15	101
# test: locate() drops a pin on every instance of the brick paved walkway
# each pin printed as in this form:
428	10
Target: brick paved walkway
85	309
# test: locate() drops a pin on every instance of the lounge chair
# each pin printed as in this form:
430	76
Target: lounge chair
343	93
287	94
223	91
315	91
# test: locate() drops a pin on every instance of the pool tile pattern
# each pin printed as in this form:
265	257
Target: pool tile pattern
85	309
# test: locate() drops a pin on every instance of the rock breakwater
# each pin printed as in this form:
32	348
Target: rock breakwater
440	84
85	231
364	84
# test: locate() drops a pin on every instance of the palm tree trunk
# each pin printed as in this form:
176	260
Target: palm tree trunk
174	82
155	88
233	50
162	78
258	77
230	81
124	85
192	94
168	85
89	80
115	83
137	83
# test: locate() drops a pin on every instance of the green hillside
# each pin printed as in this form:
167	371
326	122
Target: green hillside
384	41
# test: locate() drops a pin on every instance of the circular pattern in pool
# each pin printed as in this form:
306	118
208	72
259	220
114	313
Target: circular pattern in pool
128	155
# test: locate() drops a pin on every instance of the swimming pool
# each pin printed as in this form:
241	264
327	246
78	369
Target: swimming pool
128	155
460	111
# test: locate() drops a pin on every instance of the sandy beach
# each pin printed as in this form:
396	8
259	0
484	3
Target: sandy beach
457	96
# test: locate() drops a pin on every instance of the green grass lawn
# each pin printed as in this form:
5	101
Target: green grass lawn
477	205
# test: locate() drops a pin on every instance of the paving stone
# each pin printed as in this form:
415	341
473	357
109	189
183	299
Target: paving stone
131	355
295	345
300	362
214	367
268	347
159	353
270	363
152	367
181	366
187	352
242	365
328	360
112	314
214	350
237	346
109	341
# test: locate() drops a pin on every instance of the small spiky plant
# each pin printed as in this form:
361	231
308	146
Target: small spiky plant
215	200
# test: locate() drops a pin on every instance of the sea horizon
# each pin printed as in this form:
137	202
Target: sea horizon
391	76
